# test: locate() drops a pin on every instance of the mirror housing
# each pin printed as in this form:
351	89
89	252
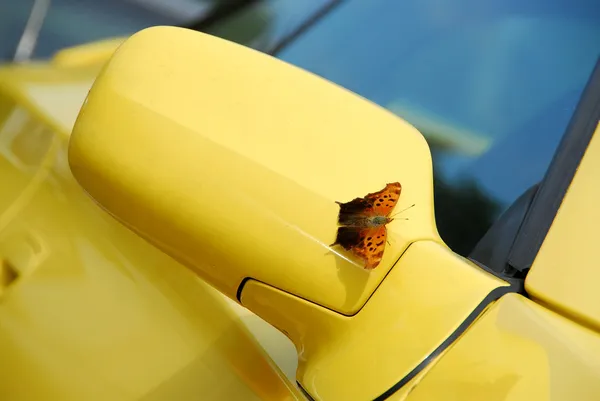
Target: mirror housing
232	161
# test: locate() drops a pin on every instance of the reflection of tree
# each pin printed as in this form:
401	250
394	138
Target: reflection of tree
463	211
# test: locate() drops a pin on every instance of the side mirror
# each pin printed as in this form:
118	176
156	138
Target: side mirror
232	162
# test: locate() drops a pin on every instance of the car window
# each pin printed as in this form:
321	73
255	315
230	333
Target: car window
74	22
263	24
491	85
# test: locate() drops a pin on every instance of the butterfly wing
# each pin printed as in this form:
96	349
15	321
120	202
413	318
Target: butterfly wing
383	202
348	237
371	246
379	203
352	212
366	243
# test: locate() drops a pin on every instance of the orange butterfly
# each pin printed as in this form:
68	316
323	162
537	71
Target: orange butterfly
363	221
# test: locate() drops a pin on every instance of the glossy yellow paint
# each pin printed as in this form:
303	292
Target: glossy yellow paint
565	273
517	351
88	310
240	186
404	321
238	163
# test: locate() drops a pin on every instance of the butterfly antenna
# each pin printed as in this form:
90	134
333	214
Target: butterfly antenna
403	210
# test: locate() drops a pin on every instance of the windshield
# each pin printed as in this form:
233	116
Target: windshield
491	84
73	22
263	24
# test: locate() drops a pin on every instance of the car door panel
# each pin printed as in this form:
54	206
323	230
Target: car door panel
518	350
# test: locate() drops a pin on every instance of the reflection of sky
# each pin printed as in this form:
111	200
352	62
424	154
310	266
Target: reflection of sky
507	72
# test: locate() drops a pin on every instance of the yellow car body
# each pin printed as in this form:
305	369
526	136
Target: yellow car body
90	310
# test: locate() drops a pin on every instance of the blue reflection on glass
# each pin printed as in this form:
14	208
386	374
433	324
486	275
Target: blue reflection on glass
492	85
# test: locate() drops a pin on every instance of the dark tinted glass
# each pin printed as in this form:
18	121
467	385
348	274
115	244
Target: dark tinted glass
491	84
263	24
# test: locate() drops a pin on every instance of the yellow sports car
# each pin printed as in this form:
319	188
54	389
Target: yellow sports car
283	200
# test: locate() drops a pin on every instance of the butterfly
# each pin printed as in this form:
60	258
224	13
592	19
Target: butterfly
362	223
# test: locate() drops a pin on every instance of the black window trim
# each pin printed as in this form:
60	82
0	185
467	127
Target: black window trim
558	177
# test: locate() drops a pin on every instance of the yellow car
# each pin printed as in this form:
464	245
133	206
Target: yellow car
183	217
